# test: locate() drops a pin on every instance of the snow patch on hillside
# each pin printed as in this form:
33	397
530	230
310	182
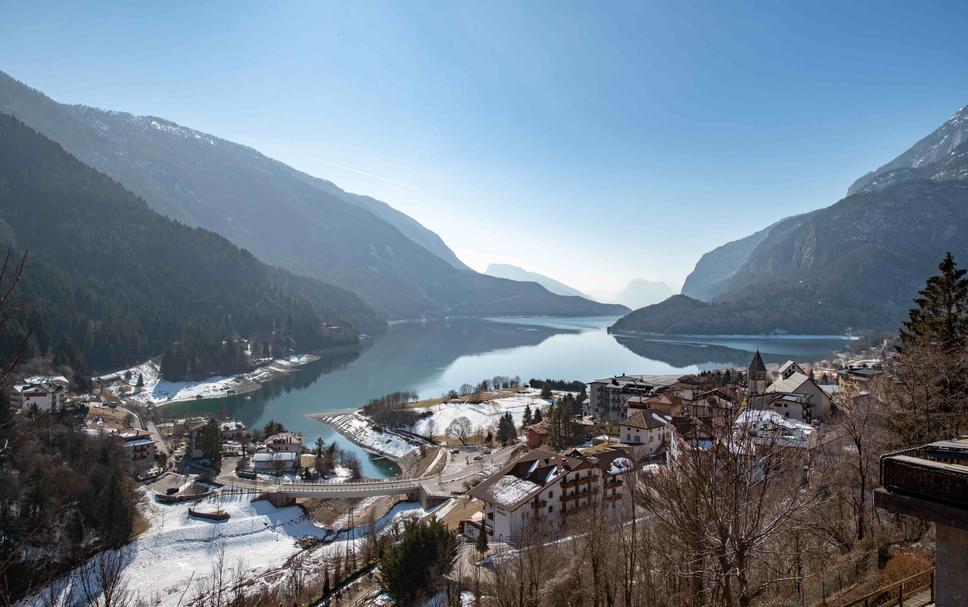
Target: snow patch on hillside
178	550
365	433
483	415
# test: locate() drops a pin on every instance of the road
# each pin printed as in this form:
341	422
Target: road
434	483
140	424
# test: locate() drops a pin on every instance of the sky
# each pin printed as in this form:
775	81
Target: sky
592	142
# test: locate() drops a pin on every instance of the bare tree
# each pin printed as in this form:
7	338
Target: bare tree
103	583
862	418
724	511
460	429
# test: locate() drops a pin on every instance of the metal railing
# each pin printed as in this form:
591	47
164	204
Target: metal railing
898	592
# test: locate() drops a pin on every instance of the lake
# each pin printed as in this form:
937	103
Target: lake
432	357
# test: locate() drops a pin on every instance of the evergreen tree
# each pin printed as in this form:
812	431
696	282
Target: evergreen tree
273	427
546	391
211	442
415	568
506	432
941	315
526	419
537	415
481	544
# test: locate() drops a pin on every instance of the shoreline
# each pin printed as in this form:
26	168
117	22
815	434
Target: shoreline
407	463
212	388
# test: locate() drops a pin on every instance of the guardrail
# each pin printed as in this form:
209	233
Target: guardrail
898	592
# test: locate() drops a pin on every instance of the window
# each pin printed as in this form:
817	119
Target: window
551	509
551	494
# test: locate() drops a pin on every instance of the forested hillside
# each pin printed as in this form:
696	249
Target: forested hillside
117	282
287	218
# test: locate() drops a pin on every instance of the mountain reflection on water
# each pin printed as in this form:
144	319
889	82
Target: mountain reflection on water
432	357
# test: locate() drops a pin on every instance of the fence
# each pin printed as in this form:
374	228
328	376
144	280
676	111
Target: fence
898	592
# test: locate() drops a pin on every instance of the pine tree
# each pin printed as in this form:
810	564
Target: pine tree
211	441
526	420
506	432
482	541
537	415
941	315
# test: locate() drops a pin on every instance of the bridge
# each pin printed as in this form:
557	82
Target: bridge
331	489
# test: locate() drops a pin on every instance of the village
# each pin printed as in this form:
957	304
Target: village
501	463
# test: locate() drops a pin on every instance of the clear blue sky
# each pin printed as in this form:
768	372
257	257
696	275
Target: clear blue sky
591	142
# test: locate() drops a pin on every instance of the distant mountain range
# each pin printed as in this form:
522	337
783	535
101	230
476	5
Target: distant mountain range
641	292
285	217
120	282
856	265
504	270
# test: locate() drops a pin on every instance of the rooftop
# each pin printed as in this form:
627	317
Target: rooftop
928	482
647	420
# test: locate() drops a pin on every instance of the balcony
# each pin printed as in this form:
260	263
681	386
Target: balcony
613	483
579	481
538	504
576	496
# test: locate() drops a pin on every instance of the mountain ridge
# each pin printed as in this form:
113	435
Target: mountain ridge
285	217
122	282
855	265
512	272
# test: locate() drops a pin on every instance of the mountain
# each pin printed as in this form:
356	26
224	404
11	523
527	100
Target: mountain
933	148
856	265
641	292
122	283
510	272
285	217
715	267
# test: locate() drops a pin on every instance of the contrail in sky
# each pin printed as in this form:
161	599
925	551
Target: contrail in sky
365	174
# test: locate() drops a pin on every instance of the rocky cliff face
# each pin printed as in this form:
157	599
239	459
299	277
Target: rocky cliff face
933	148
856	265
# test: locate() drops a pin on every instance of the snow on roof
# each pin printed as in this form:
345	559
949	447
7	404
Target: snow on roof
761	417
231	426
647	420
620	465
789	384
510	491
278	456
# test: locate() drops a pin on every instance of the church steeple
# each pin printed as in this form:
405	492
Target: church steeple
757	377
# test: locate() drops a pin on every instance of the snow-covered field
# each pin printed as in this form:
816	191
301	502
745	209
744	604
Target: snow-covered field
178	550
482	415
362	431
158	391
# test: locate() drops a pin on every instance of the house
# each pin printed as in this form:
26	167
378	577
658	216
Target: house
788	404
537	433
608	398
792	380
281	462
690	431
232	430
290	442
43	393
648	431
663	401
717	403
193	434
139	448
545	489
860	372
767	427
